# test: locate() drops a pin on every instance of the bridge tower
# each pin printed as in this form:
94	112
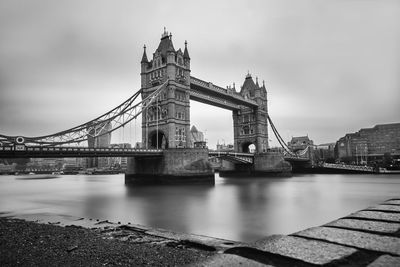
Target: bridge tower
166	124
251	125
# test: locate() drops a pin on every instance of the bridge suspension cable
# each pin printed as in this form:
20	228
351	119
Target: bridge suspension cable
287	150
102	125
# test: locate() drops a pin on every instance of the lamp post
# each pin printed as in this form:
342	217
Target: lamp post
157	112
147	128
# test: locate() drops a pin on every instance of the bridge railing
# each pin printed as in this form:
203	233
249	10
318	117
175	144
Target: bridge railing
348	167
247	158
76	149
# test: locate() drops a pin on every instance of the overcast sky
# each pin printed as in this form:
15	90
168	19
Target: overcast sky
330	67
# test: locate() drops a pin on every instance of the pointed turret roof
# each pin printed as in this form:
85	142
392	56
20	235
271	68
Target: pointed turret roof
165	45
186	53
263	87
144	57
249	85
194	129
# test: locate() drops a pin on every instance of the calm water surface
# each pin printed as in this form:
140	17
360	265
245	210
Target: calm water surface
244	209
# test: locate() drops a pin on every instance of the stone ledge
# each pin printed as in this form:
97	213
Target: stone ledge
385	260
366	225
308	251
392	202
229	260
386	208
353	238
376	215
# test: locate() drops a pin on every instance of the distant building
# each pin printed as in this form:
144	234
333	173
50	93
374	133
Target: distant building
138	145
325	152
119	162
223	147
98	137
300	143
42	164
5	168
369	143
196	138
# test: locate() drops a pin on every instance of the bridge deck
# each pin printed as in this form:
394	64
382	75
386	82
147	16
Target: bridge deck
348	167
64	152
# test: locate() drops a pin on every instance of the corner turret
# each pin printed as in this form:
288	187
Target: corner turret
144	57
186	53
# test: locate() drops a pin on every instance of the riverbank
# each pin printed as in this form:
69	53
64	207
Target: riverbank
25	243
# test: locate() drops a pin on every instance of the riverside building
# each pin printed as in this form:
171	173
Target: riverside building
369	144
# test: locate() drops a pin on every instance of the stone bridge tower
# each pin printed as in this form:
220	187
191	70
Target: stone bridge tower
166	124
251	126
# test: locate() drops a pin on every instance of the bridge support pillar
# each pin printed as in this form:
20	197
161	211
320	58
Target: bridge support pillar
188	166
265	164
271	163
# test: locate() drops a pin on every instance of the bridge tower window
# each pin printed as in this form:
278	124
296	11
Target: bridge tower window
246	130
180	135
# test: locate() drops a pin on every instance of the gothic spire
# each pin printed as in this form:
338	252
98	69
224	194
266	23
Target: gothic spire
186	53
144	57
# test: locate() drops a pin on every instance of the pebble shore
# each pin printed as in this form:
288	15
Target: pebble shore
24	243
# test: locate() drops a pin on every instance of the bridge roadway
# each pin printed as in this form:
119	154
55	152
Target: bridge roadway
347	167
21	151
246	158
74	152
50	152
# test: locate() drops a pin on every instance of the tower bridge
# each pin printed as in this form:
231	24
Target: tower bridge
166	90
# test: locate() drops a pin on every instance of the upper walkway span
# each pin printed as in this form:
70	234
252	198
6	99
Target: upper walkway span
208	93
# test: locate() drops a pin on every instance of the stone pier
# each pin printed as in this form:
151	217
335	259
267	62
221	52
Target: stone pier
265	164
180	165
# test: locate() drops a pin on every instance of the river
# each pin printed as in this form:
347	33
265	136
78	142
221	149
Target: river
241	209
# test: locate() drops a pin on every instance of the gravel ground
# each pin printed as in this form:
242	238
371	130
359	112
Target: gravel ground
24	243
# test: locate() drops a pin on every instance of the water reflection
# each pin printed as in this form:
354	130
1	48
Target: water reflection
238	209
175	205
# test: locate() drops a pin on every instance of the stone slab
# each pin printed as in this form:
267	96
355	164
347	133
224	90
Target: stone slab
229	260
376	215
310	251
385	260
356	239
375	226
392	202
390	208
